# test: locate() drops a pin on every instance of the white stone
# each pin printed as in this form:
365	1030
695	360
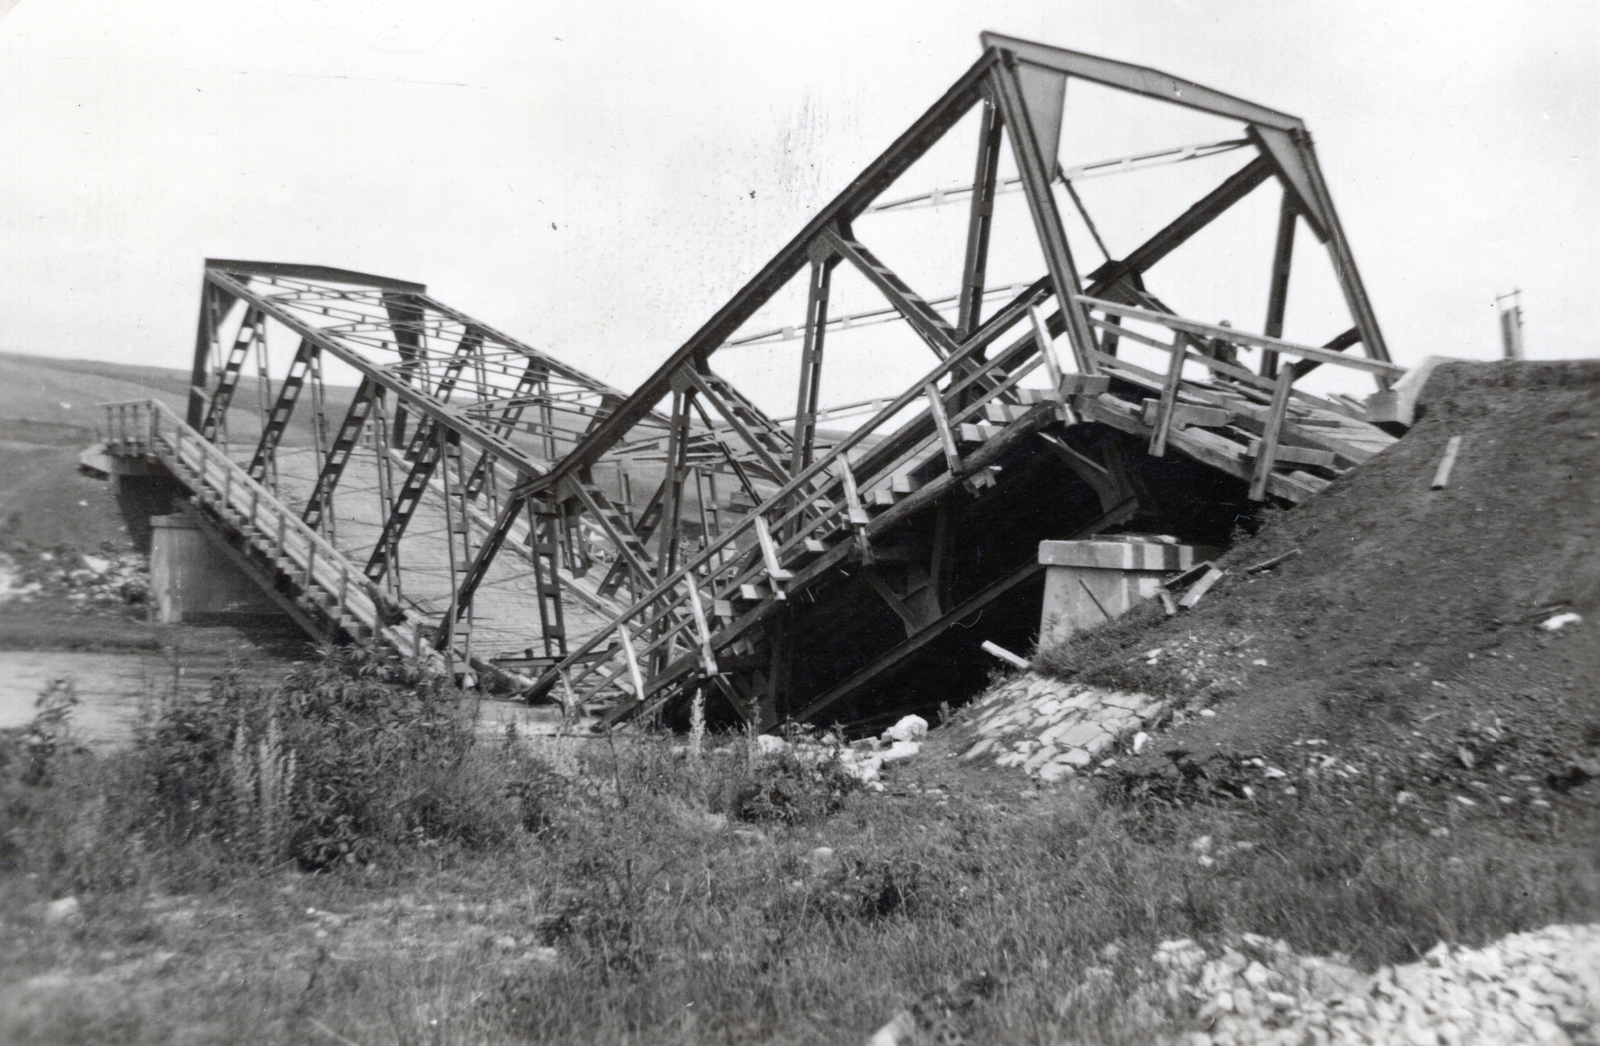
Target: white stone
1079	734
910	728
978	749
1054	734
1098	744
901	750
1139	741
900	1031
770	745
1056	770
57	912
1044	755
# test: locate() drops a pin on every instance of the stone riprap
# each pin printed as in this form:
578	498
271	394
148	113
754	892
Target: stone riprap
1052	730
1541	987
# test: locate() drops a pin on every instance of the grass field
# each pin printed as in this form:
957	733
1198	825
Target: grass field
339	860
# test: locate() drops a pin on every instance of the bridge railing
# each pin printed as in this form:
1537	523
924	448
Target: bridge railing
148	428
1189	335
666	635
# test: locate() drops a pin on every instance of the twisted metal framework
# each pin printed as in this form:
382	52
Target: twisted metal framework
923	516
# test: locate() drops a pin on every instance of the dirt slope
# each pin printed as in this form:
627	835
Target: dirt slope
1409	629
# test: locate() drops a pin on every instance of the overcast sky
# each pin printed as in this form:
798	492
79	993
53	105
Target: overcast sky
597	177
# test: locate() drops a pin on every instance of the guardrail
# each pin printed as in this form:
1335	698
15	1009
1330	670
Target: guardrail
148	428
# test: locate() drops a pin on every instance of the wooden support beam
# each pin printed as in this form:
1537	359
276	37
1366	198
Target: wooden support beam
941	563
855	511
1047	352
701	627
1198	590
996	650
1106	487
780	672
634	674
1169	395
1267	454
769	556
1441	477
910	616
941	421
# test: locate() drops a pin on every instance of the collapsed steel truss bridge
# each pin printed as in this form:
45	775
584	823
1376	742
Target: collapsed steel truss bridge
410	476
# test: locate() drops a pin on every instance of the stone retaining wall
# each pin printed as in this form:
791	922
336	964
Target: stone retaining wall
1052	730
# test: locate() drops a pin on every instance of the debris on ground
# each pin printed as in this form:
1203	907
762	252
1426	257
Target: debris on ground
865	759
1537	988
116	578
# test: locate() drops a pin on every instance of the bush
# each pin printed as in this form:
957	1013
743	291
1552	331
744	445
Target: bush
328	768
785	789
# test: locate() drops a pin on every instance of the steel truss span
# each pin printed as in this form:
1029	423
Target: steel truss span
500	509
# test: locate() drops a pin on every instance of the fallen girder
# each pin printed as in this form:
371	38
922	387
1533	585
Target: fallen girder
876	526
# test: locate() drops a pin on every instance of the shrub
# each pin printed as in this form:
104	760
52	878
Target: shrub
785	789
328	768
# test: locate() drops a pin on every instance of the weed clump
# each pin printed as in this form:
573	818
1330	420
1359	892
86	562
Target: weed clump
786	789
331	767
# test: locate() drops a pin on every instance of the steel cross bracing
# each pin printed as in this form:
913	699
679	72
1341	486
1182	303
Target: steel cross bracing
881	510
446	420
690	541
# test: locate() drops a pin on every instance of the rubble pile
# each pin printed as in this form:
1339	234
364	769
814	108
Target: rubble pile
80	578
865	759
1053	730
1541	987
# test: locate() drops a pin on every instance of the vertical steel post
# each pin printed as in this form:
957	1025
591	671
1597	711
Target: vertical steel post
1278	296
979	224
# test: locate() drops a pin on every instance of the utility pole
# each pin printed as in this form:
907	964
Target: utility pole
1511	324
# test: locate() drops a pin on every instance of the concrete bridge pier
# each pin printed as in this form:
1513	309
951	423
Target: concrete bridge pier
1088	583
193	581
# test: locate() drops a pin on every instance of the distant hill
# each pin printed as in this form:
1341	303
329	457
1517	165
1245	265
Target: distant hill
58	392
59	399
